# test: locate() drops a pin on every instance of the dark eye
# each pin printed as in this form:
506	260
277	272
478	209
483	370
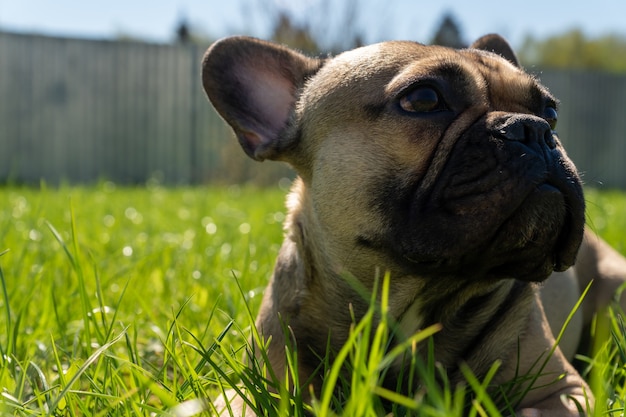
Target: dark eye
551	116
421	100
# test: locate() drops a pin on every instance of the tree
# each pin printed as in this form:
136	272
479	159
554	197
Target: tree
288	32
313	26
449	33
573	49
183	34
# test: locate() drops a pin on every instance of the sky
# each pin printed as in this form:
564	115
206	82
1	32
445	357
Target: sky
156	20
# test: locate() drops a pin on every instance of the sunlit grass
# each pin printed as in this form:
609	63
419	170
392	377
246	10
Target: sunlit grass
139	301
84	266
606	214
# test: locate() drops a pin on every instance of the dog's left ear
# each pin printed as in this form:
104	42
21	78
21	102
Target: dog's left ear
498	45
253	85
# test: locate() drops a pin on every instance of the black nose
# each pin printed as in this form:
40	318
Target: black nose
524	128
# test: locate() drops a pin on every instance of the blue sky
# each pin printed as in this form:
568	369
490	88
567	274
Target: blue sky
155	20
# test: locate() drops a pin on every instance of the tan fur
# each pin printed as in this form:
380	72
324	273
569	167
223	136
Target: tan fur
467	204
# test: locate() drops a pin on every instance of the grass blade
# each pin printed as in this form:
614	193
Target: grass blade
92	358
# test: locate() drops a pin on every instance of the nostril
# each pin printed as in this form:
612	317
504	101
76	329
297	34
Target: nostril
525	128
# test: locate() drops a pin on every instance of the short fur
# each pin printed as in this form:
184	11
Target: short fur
439	166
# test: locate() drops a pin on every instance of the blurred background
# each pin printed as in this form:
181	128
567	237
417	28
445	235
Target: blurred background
93	91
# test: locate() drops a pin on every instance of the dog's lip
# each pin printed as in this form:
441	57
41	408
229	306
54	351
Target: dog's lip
571	235
557	260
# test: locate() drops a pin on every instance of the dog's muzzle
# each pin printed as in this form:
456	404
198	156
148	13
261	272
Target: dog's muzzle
507	202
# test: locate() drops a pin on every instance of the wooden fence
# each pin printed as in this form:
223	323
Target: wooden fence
592	123
84	110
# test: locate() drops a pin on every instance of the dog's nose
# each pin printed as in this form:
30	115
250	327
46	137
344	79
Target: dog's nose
525	128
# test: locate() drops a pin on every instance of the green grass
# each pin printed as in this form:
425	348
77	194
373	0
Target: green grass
139	301
606	214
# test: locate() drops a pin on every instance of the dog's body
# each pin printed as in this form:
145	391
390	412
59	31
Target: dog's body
438	166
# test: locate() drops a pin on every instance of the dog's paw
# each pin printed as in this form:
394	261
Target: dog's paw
529	412
542	412
231	404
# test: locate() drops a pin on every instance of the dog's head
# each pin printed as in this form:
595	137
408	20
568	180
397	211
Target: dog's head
434	160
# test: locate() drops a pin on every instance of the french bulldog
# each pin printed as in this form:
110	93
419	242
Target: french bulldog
440	167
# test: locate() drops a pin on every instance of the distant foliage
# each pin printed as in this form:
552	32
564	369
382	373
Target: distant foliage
289	32
328	26
574	50
449	33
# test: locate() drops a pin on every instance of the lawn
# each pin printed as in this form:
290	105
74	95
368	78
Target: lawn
129	301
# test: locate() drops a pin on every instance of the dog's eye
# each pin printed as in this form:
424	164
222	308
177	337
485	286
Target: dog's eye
551	116
421	100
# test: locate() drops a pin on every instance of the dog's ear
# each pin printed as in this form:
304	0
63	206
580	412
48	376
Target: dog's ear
498	45
253	85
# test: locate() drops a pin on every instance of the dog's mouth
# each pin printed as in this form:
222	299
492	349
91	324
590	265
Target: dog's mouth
497	209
